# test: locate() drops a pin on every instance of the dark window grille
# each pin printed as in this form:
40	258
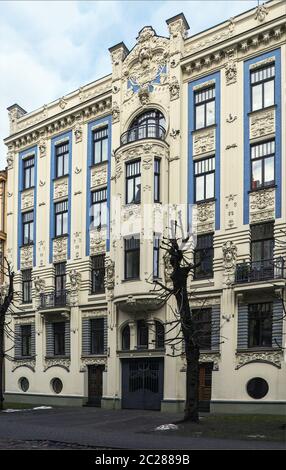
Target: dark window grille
27	286
60	284
203	257
132	258
262	87
100	145
133	182
62	159
97	274
204	107
61	218
204	179
97	336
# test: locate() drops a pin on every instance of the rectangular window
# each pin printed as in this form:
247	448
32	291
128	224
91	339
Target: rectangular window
204	108
97	274
142	335
100	145
59	338
132	258
26	337
29	172
262	165
203	257
204	179
61	218
260	325
27	286
262	87
157	180
62	159
156	251
99	208
28	227
262	242
60	284
203	323
97	336
133	182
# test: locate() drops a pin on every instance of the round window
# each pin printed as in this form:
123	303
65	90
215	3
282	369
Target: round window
57	385
24	384
257	388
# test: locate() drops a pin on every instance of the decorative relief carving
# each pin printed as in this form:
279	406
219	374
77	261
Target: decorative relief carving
177	29
262	205
10	158
40	285
87	361
99	176
78	133
262	123
231	211
210	40
109	273
260	13
60	188
174	88
248	357
174	133
30	363
115	113
203	217
97	242
204	141
211	357
57	362
27	199
42	148
231	118
60	247
262	63
229	250
62	103
77	244
231	67
26	257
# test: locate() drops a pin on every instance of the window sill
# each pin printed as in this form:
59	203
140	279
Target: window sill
132	279
97	294
262	189
258	349
128	204
28	358
65	235
57	178
56	356
204	128
95	165
205	201
103	355
27	189
267	108
27	244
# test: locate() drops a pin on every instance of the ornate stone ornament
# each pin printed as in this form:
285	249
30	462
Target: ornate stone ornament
78	133
61	188
229	250
109	273
262	123
60	246
97	242
231	118
99	176
57	362
88	361
39	284
211	357
204	141
144	95
205	212
269	357
260	13
29	363
62	103
231	211
204	217
262	205
174	133
27	199
42	148
10	159
174	88
231	67
115	113
75	280
26	257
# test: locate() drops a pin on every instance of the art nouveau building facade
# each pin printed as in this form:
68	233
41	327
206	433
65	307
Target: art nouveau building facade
180	120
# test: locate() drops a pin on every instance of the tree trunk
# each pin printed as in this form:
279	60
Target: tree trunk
192	384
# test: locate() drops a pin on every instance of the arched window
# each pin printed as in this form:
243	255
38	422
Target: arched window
148	125
159	335
142	335
126	338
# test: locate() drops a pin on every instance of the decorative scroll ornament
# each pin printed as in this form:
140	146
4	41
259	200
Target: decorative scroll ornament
60	249
57	362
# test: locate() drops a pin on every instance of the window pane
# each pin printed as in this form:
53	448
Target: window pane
200	188
269	93
137	189
209	185
60	166
200	122
97	151
256	174
65	222
269	171
32	176
256	97
129	191
210	118
104	149
58	225
104	214
66	164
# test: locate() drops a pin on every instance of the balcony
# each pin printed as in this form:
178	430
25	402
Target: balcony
56	299
146	131
263	270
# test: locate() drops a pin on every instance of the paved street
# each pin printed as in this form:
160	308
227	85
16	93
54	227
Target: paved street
94	427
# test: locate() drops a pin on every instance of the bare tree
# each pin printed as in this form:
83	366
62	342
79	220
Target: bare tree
185	331
7	296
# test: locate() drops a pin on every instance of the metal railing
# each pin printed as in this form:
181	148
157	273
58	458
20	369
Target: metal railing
55	299
263	270
144	131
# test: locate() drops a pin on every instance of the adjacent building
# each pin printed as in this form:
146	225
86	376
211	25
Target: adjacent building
181	121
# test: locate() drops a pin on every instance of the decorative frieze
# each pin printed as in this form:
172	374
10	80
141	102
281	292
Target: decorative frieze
210	357
262	123
262	205
97	242
90	361
57	362
60	248
204	217
61	188
29	363
248	357
204	141
98	176
26	257
27	199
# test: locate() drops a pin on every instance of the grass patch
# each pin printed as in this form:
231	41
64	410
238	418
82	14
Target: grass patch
246	427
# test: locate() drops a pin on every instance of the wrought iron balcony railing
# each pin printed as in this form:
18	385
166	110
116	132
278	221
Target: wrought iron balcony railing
263	270
144	131
55	299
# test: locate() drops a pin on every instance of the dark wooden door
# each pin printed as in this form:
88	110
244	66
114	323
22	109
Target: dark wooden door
95	385
142	383
205	386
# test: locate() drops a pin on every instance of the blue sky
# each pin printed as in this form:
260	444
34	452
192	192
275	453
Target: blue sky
49	48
